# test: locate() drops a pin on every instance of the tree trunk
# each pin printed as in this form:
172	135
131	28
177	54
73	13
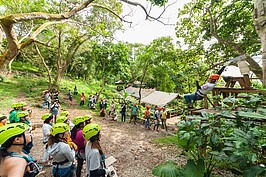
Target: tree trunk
259	22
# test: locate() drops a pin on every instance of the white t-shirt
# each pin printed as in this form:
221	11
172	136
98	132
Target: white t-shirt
46	131
206	88
93	159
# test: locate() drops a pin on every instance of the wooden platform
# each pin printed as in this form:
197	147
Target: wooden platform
199	111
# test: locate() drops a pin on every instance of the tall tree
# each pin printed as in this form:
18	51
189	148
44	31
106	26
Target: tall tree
221	30
259	21
46	14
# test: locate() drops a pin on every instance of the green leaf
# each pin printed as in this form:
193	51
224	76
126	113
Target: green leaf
168	169
194	170
254	171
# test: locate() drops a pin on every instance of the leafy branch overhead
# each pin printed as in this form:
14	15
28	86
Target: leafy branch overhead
47	15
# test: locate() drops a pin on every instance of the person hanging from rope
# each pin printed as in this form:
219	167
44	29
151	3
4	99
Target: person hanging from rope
204	89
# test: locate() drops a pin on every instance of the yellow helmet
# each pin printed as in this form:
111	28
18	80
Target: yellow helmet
22	114
64	113
59	128
87	117
78	120
46	116
10	130
90	130
61	119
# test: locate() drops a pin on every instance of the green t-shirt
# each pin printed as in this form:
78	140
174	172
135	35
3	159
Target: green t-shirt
134	110
13	116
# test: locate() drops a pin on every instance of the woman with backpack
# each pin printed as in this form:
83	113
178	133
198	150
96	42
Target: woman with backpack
14	161
63	155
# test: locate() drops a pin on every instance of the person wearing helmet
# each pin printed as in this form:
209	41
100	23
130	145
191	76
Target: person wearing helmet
13	113
88	119
3	120
147	115
204	89
93	152
14	161
63	155
79	140
64	113
46	128
23	118
62	119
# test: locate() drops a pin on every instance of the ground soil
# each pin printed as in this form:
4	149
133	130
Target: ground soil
133	146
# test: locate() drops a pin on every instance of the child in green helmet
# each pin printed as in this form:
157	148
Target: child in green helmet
14	161
95	166
13	113
79	140
63	155
46	128
23	118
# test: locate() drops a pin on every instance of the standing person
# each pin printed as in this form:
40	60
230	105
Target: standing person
78	139
54	109
157	117
95	166
75	90
82	99
90	100
101	106
14	161
111	108
13	113
56	96
46	99
134	113
23	118
147	115
70	97
164	116
3	120
105	102
87	119
123	112
63	154
46	128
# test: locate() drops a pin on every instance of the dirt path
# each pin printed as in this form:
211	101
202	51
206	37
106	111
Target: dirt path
130	144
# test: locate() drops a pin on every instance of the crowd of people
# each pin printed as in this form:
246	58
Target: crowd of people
63	141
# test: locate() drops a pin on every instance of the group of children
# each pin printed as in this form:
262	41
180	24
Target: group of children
63	140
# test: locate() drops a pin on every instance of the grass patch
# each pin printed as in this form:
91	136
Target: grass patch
168	140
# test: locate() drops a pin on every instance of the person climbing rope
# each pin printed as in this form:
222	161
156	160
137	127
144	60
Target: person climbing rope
204	89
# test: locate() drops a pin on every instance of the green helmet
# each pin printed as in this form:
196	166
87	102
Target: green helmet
22	114
90	130
46	116
78	120
64	113
10	130
87	117
14	105
59	128
21	104
61	119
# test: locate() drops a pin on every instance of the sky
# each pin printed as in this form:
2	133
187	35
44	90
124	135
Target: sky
144	31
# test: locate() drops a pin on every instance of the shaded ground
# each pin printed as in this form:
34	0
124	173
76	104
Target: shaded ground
130	144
